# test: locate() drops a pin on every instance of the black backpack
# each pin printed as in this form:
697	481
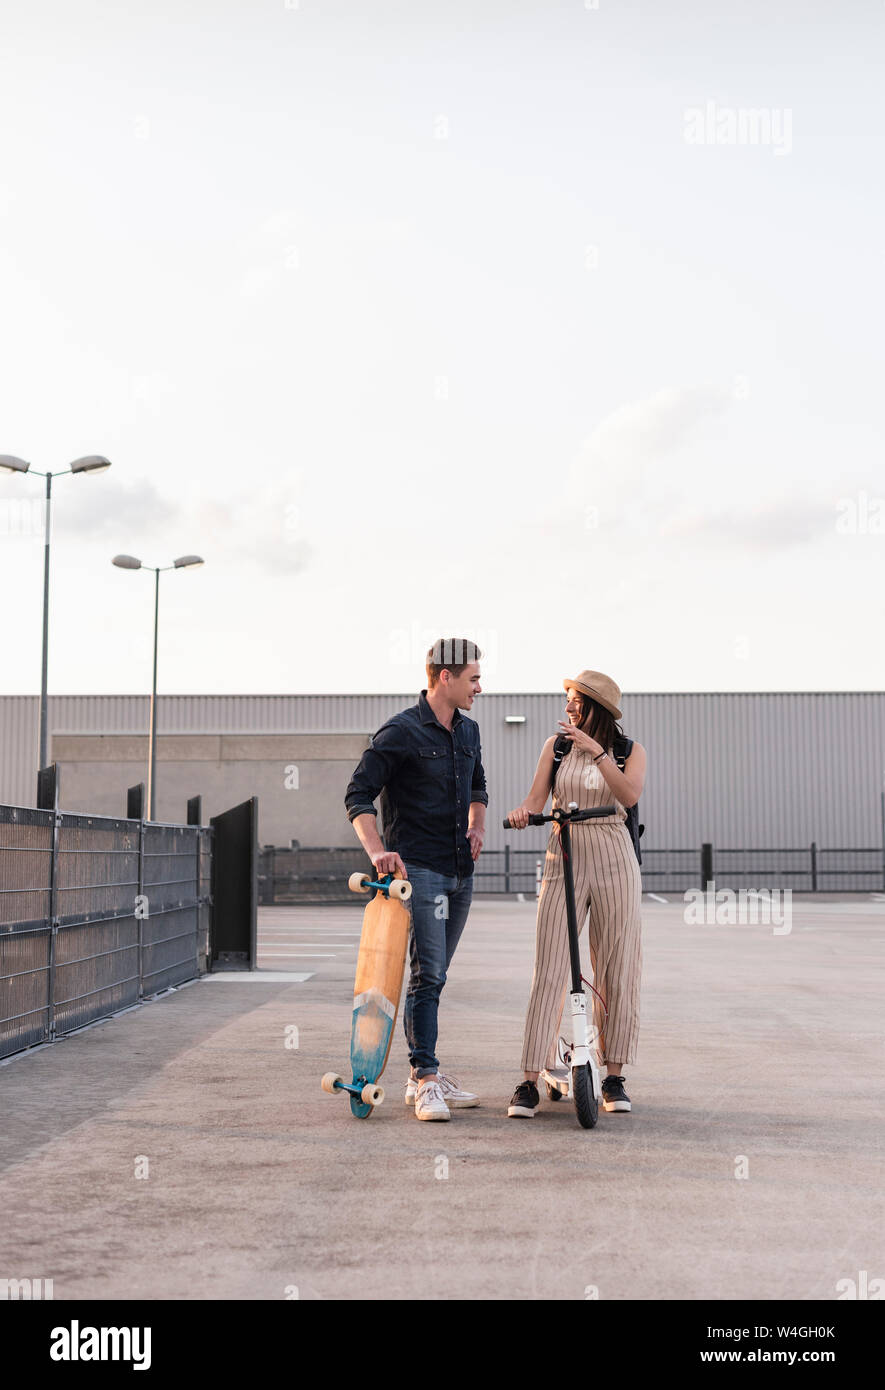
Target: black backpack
622	748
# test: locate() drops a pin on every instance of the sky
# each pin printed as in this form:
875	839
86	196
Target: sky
552	324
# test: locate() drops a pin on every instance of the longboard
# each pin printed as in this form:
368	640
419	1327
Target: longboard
376	989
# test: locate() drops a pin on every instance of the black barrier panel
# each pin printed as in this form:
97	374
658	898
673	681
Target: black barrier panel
26	863
96	971
97	874
24	989
170	930
235	886
47	787
96	913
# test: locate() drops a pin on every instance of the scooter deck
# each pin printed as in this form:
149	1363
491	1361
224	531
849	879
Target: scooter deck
559	1079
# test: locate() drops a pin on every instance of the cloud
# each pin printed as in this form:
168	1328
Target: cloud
256	280
264	526
629	484
639	433
772	523
103	505
625	478
285	240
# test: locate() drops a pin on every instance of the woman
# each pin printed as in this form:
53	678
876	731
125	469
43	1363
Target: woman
606	874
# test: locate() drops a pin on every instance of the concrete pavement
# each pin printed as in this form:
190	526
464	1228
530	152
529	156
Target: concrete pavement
185	1149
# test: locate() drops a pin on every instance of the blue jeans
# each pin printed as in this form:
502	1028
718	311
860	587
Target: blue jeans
439	906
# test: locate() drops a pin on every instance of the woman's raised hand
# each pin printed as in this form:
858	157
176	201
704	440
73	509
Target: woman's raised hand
583	742
519	818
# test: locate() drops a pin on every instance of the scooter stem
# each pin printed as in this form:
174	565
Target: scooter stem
571	912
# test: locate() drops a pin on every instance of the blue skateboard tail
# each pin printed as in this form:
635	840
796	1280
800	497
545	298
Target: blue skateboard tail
372	1029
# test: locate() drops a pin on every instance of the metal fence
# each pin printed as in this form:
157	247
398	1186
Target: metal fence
301	875
317	875
95	914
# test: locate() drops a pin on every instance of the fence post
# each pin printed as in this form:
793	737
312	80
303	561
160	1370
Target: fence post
135	802
706	865
507	868
135	805
814	866
47	800
48	788
53	924
194	817
537	878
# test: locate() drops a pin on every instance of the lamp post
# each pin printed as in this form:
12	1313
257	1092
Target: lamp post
91	463
129	562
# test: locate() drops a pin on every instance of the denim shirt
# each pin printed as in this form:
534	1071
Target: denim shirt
427	776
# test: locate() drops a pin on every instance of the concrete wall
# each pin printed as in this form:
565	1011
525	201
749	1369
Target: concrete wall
300	779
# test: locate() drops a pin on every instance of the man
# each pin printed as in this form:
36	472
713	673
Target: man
425	763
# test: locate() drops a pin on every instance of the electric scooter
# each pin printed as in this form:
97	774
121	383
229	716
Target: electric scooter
580	1075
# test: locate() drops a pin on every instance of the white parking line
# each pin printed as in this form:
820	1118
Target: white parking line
261	977
308	955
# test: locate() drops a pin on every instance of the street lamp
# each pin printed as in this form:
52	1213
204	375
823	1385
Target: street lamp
90	463
129	562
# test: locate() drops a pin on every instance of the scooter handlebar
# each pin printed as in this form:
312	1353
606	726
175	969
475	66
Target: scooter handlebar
590	813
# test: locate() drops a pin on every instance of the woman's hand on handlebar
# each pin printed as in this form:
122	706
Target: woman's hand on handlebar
519	818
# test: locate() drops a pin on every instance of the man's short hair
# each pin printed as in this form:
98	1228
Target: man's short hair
450	654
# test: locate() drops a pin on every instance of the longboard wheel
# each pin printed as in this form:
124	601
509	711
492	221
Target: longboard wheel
358	883
330	1082
400	888
372	1095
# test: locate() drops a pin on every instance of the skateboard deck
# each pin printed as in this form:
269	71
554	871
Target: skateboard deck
376	989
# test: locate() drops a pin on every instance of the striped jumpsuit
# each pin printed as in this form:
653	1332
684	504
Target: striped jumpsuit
607	878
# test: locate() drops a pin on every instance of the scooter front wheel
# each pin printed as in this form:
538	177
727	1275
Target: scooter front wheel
586	1104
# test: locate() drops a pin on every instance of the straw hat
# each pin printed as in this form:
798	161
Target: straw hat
599	687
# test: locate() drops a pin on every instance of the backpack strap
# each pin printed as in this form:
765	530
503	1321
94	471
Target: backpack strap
560	748
622	748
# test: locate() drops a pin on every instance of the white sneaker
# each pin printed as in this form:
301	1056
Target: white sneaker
450	1086
429	1103
453	1095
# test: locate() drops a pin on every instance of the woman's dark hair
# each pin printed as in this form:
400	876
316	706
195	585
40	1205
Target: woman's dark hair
598	722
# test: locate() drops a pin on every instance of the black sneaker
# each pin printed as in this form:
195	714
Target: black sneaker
525	1100
614	1097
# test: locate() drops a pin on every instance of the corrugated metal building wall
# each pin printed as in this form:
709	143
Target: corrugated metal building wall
770	769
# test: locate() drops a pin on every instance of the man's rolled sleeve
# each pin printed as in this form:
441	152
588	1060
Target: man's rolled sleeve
375	769
478	786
